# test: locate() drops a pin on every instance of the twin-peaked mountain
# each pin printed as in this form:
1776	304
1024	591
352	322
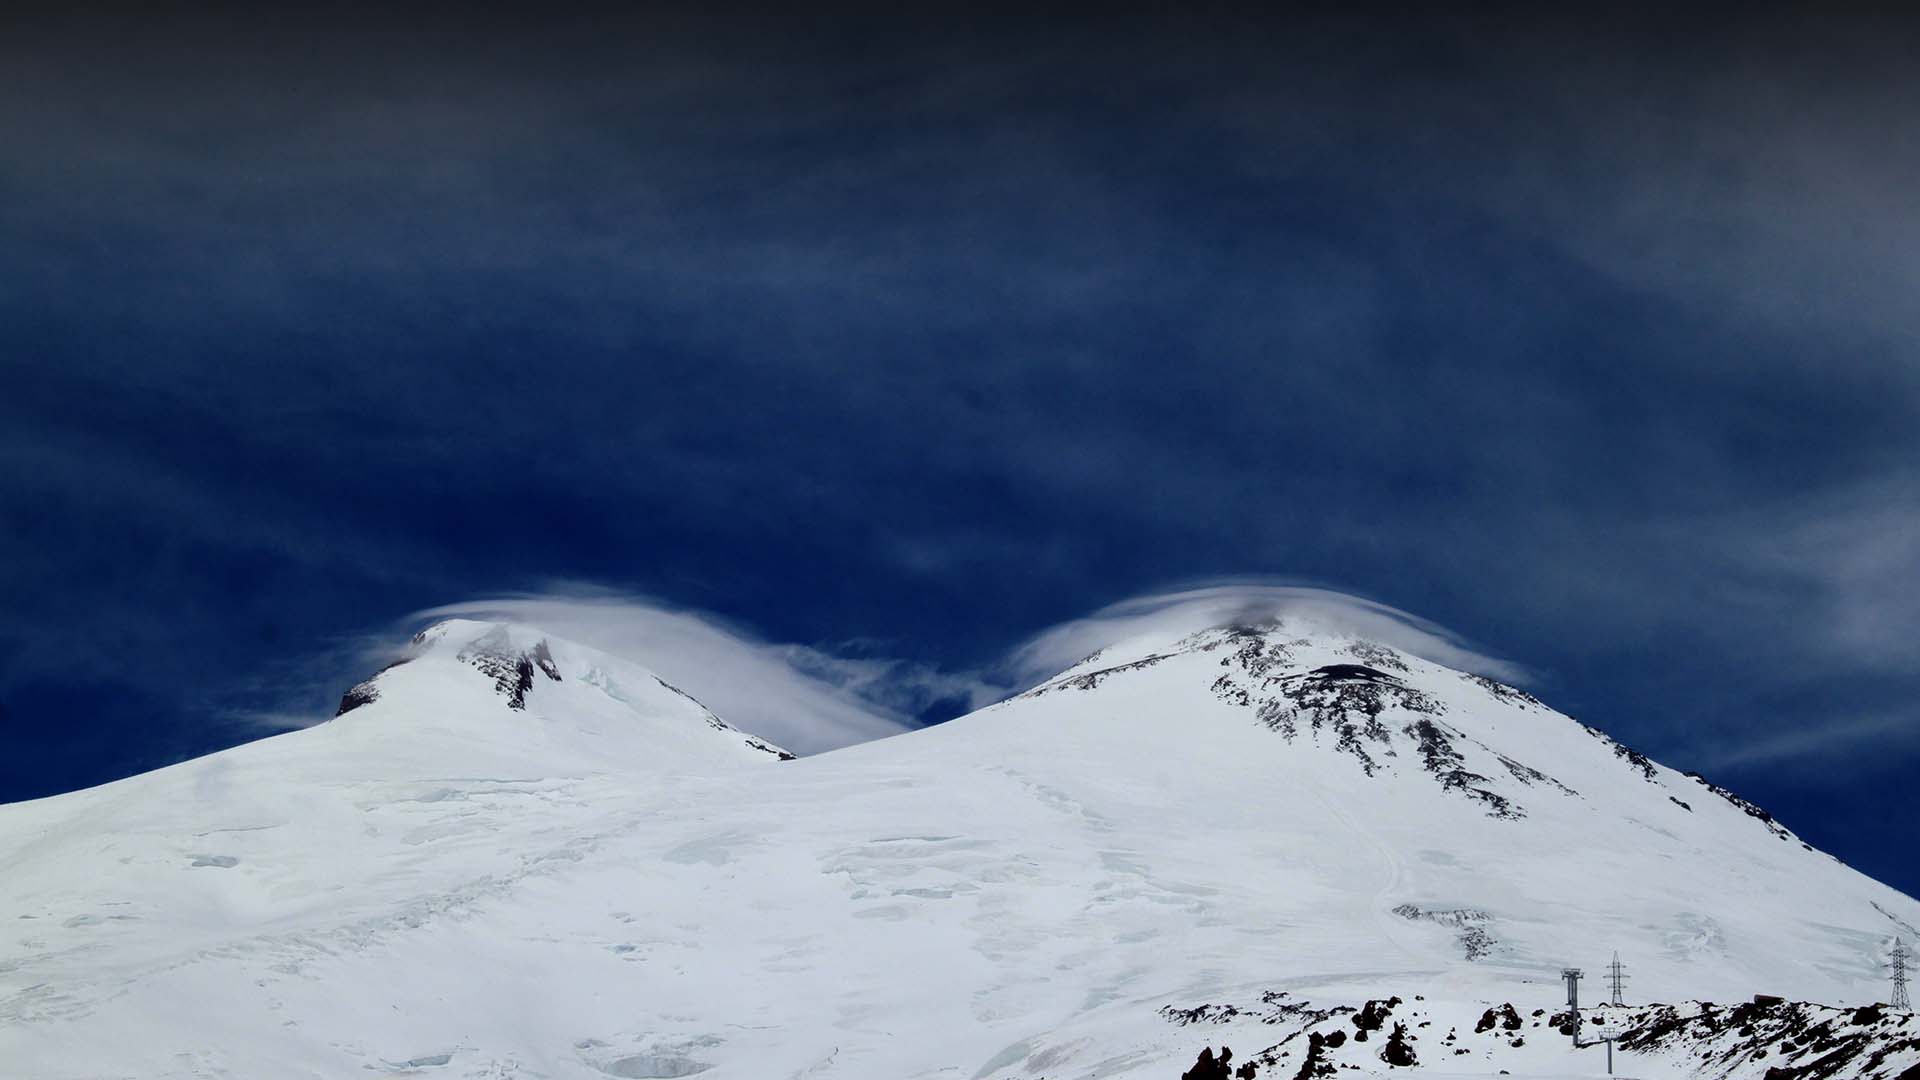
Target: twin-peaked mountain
512	856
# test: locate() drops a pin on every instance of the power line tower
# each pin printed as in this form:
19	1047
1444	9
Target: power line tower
1900	975
1616	979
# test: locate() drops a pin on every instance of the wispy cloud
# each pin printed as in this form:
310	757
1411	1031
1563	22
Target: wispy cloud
274	721
1855	556
803	697
1828	741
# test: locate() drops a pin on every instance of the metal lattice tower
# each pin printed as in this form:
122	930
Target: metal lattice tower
1900	975
1616	979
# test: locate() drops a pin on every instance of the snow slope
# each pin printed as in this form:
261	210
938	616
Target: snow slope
1270	826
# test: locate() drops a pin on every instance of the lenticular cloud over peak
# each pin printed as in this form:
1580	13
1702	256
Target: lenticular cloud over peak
812	699
803	698
1178	612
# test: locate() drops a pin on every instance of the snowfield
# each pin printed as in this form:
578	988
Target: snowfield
513	857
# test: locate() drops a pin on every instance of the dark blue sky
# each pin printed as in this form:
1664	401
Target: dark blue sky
1594	343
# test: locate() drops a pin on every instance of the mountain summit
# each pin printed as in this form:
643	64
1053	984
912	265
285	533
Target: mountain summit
509	856
1394	716
473	675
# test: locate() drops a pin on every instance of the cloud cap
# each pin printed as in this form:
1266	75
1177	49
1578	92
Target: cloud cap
1155	618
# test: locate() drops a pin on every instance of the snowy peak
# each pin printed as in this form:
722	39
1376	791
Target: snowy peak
507	654
494	654
484	676
1400	719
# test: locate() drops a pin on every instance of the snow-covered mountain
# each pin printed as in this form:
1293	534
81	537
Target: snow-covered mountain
537	696
513	857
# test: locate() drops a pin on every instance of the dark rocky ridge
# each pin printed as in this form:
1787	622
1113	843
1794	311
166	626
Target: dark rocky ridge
1771	1039
364	692
1353	703
492	654
1767	1038
1746	806
1475	940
